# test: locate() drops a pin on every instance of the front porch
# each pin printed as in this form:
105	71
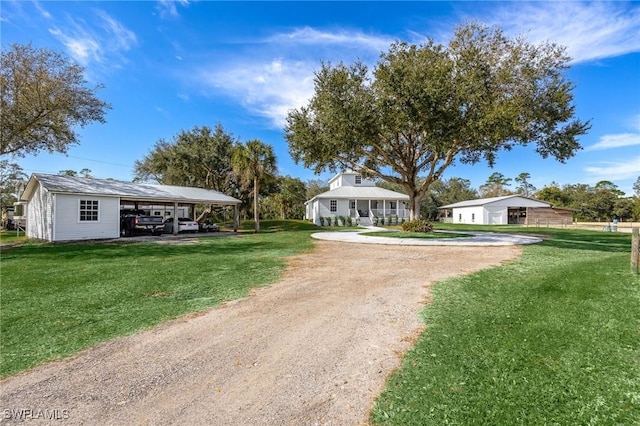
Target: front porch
370	212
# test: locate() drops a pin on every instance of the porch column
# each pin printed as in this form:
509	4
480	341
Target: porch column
369	212
398	209
384	208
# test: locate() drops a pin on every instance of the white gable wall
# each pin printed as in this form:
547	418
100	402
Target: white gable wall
495	215
349	180
40	215
67	218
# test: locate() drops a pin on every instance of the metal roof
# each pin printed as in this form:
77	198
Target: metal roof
362	192
128	190
485	201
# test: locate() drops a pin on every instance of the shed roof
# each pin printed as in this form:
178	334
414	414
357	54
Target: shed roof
491	200
132	190
362	192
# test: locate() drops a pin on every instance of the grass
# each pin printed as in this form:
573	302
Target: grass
12	237
551	338
58	299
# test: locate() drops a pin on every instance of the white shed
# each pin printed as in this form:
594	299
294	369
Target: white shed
509	209
63	208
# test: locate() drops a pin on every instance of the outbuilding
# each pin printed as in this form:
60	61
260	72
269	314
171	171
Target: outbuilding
509	209
64	208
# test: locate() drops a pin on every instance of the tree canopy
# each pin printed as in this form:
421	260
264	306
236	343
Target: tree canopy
200	157
44	96
11	177
424	107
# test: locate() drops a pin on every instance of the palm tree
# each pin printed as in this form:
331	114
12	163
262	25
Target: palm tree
253	163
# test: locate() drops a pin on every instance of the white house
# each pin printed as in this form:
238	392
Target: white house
351	195
509	209
63	208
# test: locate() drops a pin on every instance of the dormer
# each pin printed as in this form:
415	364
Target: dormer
349	178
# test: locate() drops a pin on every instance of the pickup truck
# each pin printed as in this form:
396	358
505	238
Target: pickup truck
136	221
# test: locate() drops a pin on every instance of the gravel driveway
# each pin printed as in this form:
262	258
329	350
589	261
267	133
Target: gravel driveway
314	348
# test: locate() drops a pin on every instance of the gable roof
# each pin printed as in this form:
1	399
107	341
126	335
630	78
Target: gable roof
115	188
491	200
362	192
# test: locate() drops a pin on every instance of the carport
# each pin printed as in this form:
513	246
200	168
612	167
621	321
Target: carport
63	208
176	197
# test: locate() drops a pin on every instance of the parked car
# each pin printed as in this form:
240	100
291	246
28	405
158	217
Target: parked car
208	226
136	221
184	225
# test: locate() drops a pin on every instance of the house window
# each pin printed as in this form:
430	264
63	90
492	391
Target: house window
88	210
358	179
333	206
352	204
460	217
473	217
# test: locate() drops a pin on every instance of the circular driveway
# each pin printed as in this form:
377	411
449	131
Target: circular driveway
475	238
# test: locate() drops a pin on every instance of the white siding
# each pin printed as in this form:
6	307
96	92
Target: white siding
40	215
496	215
67	218
324	208
349	180
471	215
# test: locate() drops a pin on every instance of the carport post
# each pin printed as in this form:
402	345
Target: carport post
235	218
176	226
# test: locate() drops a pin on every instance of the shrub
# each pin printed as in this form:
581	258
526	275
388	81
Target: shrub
382	221
329	220
349	221
321	221
343	221
417	225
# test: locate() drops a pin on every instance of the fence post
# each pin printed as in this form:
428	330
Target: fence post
635	249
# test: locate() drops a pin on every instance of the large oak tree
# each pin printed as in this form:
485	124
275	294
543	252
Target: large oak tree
44	96
424	107
200	157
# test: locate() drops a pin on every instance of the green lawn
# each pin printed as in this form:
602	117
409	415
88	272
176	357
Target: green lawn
57	299
552	338
12	237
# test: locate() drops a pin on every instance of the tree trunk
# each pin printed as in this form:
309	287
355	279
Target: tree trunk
414	205
256	218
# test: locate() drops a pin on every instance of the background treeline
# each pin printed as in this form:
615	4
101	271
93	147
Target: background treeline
212	158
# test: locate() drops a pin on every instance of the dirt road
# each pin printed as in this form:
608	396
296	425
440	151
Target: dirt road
314	348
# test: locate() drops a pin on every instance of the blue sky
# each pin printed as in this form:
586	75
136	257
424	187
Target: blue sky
169	66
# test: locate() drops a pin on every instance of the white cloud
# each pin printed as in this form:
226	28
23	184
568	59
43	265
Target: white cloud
269	89
344	39
615	141
45	14
121	37
98	42
590	31
169	8
82	47
615	170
